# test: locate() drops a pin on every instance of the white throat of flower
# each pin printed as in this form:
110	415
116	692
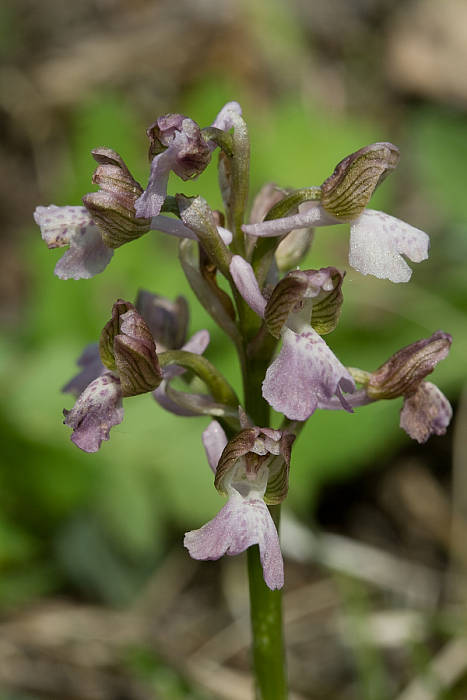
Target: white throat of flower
246	484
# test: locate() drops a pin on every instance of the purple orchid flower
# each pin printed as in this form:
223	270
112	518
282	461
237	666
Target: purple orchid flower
306	372
87	254
425	411
244	466
377	240
123	364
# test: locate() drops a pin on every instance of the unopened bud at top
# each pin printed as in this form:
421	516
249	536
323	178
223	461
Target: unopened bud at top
192	153
346	193
113	206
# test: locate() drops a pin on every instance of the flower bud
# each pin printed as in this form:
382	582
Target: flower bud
250	450
269	195
167	320
113	206
402	374
346	193
192	151
127	347
293	248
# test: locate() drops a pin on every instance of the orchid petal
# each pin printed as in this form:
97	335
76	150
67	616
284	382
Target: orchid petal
92	367
73	226
174	227
95	412
305	373
426	412
241	523
377	242
214	441
247	284
151	201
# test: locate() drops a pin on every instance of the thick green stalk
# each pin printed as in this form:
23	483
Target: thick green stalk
265	605
266	624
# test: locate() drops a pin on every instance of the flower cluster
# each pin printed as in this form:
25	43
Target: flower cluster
144	346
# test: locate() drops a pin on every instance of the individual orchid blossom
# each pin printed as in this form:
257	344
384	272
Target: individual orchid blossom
244	466
425	411
88	255
167	322
127	356
306	371
377	240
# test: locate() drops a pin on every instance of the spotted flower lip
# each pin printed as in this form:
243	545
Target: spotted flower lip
96	411
245	519
74	227
243	522
426	412
306	372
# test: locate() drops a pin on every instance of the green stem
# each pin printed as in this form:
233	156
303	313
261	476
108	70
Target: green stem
266	624
265	605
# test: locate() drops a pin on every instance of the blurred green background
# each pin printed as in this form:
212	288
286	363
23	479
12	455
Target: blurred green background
316	81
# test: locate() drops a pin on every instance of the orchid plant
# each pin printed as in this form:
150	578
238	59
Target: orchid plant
144	346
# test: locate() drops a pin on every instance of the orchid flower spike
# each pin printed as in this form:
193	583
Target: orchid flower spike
252	469
377	240
303	306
